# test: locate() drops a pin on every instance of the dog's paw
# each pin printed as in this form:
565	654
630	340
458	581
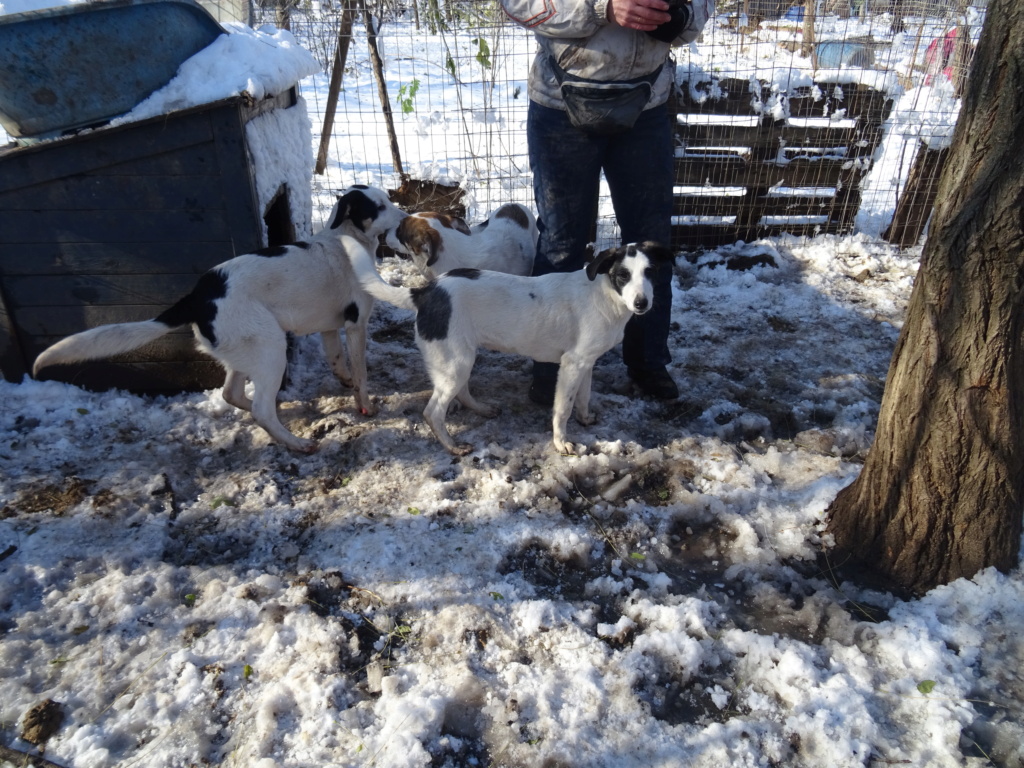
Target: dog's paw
305	446
461	449
586	419
565	448
368	410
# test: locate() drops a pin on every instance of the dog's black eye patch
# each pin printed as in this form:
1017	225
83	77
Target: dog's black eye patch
620	278
433	312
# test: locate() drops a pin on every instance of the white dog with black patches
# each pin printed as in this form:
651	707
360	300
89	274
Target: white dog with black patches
569	318
438	243
241	310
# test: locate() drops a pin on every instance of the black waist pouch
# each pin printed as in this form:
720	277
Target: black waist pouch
604	108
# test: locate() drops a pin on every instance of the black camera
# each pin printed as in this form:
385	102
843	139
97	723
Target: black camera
681	13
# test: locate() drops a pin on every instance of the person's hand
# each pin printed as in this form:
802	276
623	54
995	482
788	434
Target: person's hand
642	15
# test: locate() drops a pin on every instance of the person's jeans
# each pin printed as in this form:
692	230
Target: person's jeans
567	165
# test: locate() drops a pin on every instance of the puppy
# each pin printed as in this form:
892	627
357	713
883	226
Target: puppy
437	243
568	318
241	310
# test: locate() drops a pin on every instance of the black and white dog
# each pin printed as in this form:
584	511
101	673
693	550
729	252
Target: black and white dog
438	243
569	318
241	310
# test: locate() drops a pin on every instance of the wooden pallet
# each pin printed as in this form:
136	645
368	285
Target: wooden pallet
741	174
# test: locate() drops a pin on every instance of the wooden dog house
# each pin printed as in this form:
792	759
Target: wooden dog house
114	225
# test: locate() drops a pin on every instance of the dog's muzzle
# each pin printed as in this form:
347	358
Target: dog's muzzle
641	305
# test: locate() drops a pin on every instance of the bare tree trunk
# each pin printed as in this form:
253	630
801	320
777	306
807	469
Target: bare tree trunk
382	89
942	490
809	47
914	206
283	14
337	73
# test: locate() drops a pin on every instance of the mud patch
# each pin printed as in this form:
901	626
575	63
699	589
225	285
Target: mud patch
373	635
554	575
675	702
57	499
462	741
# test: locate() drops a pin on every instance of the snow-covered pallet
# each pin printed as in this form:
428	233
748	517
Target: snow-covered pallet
755	162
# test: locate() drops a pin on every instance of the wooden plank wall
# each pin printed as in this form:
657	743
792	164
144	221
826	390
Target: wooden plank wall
740	175
114	226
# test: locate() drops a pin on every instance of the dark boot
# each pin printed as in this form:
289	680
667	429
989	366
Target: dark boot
655	382
542	389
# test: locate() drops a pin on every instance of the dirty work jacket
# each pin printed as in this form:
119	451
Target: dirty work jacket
578	34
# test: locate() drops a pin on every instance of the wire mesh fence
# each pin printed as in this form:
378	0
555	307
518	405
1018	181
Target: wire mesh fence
825	117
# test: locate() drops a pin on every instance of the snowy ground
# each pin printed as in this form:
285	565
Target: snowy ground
188	593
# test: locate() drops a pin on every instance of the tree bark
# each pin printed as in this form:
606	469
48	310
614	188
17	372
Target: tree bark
337	73
382	88
941	492
914	206
809	47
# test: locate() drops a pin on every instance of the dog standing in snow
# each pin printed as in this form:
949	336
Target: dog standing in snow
241	310
570	318
437	242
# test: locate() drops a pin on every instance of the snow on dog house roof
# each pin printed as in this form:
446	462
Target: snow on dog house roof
82	65
76	66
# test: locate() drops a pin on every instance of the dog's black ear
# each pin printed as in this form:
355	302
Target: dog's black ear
601	263
355	206
656	252
340	212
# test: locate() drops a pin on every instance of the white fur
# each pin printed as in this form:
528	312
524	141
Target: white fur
304	290
567	318
505	242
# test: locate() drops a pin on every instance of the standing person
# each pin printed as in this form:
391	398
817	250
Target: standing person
598	88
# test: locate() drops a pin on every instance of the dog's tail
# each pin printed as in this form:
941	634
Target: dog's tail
373	283
102	341
197	307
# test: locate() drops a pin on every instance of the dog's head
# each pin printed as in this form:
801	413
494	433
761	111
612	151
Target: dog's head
515	215
630	269
420	236
365	212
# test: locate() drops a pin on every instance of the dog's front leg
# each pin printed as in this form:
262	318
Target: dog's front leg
584	415
570	374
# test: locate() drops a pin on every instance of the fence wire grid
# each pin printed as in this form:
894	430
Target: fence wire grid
825	117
